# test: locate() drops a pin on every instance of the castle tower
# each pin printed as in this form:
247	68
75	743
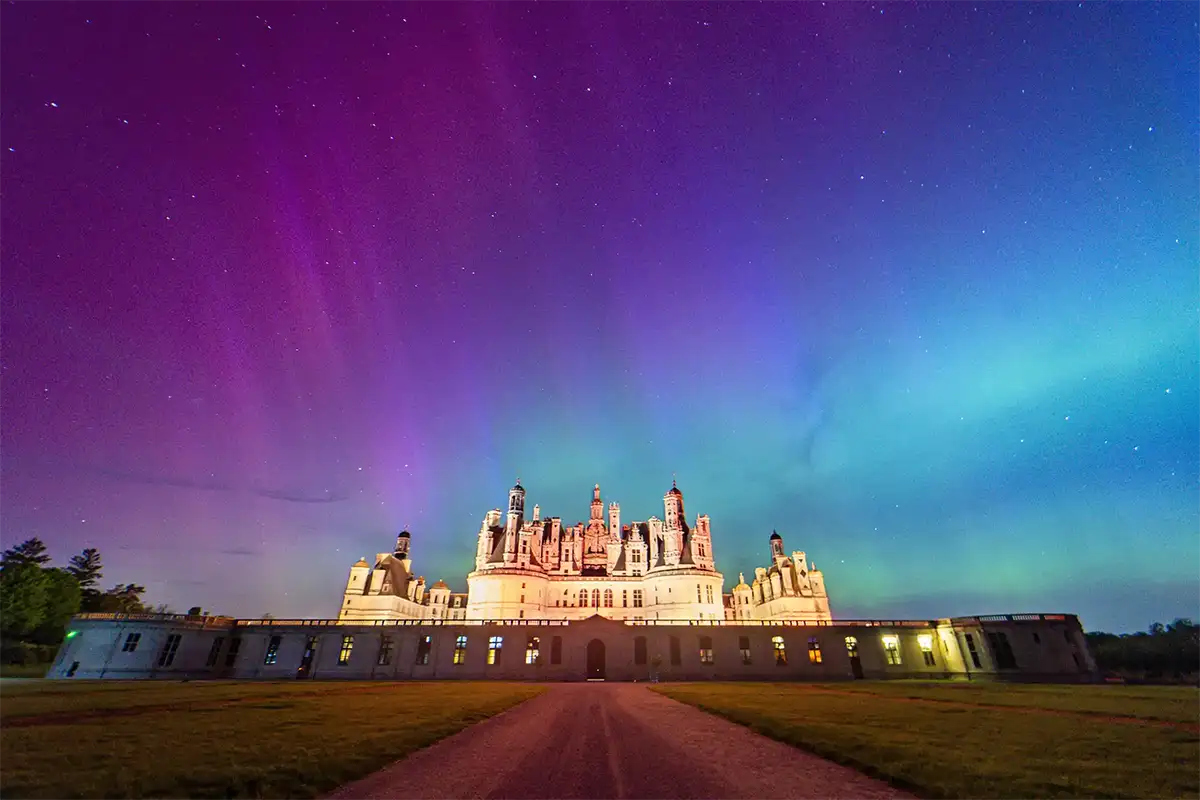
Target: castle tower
673	508
402	542
516	516
776	545
597	506
537	512
614	522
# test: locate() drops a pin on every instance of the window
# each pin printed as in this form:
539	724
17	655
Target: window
699	598
495	644
852	646
637	598
533	650
675	657
780	651
167	656
891	649
608	598
706	650
385	651
925	641
624	598
814	650
708	593
971	649
637	556
582	598
639	650
235	644
522	598
272	650
1005	658
460	650
556	650
424	645
347	648
214	652
744	646
700	548
131	642
595	598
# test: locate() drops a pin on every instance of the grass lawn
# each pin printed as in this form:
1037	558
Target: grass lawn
950	740
224	739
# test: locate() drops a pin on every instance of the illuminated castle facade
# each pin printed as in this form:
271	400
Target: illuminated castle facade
537	568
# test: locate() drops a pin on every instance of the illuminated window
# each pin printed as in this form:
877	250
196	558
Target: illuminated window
608	598
852	646
131	642
556	650
814	650
344	653
460	650
708	592
582	598
780	651
706	650
214	652
424	645
532	650
639	650
495	643
925	642
167	656
637	598
385	651
891	649
595	598
744	646
272	650
971	649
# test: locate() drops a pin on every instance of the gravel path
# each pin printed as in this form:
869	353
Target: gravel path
620	740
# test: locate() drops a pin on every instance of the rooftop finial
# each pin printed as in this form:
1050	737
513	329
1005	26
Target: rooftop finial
673	486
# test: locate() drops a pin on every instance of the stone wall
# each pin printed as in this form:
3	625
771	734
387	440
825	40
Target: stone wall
1033	647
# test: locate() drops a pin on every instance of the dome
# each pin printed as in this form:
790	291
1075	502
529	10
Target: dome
440	585
518	487
362	562
775	535
404	535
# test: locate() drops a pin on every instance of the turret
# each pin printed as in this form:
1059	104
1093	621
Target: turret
614	521
402	543
537	512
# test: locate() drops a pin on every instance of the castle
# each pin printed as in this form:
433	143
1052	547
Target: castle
598	600
659	569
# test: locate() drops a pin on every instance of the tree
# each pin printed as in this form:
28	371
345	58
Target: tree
122	599
62	599
87	569
22	598
31	551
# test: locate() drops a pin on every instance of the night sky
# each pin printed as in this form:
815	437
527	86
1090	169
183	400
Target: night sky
915	285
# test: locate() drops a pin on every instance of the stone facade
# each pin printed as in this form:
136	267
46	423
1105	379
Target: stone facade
1029	647
539	569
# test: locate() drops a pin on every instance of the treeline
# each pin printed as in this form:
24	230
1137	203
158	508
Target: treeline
37	600
1162	653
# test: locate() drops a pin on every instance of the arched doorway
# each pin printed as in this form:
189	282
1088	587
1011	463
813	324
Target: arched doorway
595	660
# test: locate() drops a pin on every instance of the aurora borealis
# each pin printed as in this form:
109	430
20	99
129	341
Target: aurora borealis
913	284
